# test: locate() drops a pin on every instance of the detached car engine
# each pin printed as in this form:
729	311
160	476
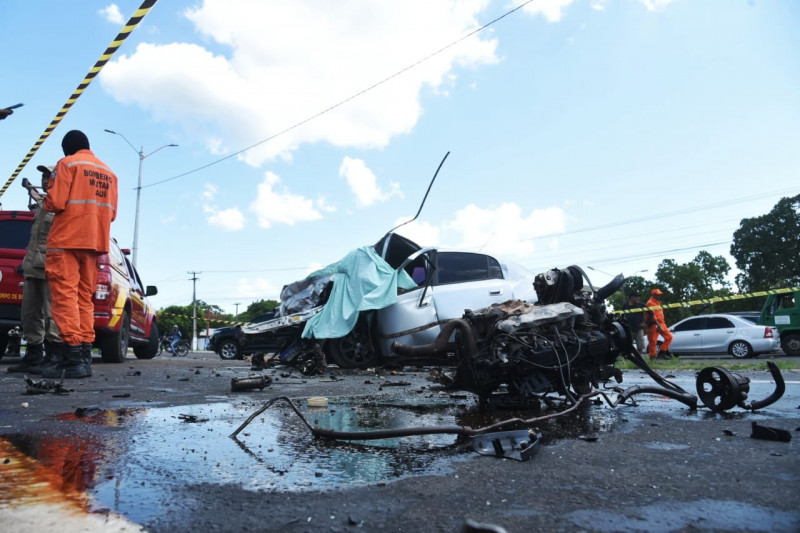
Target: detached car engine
566	343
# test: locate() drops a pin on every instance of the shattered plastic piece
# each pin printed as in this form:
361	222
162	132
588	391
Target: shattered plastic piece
192	418
470	526
520	445
43	386
318	401
250	382
768	433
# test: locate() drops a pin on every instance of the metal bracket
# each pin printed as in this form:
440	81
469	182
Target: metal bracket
520	445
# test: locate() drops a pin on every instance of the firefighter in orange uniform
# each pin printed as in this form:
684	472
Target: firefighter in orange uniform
655	323
83	196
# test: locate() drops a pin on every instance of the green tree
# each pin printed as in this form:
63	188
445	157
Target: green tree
259	307
702	277
208	316
767	248
632	284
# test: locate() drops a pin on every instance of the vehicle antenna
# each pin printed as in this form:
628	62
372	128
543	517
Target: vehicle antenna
424	198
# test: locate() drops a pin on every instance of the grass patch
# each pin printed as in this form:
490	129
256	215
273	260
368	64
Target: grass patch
699	364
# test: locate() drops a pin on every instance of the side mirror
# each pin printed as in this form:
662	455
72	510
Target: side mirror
126	251
151	290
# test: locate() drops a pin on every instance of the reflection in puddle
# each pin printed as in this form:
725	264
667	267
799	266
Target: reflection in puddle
136	461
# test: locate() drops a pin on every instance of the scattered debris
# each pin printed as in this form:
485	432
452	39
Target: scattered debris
520	445
250	382
470	526
768	433
192	419
720	389
43	386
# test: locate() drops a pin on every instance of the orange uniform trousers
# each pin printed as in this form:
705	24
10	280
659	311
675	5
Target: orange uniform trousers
73	278
652	339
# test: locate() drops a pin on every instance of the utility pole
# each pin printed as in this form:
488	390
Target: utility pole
193	279
236	316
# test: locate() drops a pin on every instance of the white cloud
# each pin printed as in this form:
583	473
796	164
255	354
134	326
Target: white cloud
422	233
285	61
552	10
653	5
275	204
227	219
257	288
112	14
230	219
364	184
504	230
209	192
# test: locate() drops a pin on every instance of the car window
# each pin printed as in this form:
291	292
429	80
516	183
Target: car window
786	301
719	322
15	234
691	324
133	275
115	254
461	267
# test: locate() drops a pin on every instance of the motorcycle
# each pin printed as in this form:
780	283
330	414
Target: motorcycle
181	349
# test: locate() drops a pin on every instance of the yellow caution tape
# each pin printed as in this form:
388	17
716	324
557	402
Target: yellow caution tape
200	318
93	72
706	301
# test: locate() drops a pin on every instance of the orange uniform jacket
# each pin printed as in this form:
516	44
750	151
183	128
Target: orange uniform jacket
658	314
83	193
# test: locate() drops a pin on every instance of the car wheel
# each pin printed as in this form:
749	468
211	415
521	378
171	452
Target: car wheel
740	349
228	350
790	343
149	350
114	346
352	351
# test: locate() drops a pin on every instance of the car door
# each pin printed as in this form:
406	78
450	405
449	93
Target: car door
718	333
412	319
448	284
687	335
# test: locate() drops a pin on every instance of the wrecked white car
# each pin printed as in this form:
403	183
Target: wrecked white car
352	311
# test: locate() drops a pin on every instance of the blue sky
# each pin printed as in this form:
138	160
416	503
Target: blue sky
610	134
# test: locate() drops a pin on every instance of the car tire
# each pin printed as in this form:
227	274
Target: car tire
790	343
352	351
740	350
114	346
229	350
150	349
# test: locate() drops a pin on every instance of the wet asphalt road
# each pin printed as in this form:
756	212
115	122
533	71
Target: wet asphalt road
153	446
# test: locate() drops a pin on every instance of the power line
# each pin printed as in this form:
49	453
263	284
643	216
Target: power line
348	99
668	214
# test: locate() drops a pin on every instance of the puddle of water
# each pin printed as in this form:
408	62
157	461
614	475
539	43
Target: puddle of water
135	457
162	452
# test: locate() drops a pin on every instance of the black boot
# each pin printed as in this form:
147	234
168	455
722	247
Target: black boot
72	366
53	355
86	356
34	357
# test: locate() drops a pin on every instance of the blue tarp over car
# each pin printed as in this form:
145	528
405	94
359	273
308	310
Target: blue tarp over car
362	281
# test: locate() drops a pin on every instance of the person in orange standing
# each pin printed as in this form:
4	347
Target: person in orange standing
83	195
655	323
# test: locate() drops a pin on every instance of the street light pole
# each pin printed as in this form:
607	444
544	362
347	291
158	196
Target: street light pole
142	157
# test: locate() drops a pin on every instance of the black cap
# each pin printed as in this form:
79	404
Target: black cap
634	293
73	141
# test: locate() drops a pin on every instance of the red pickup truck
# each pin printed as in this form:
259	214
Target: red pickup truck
122	315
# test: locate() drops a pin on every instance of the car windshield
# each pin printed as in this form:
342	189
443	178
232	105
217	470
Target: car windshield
15	234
